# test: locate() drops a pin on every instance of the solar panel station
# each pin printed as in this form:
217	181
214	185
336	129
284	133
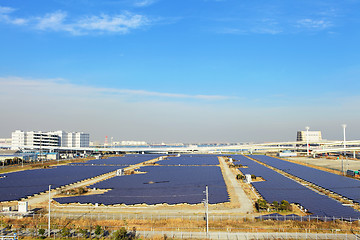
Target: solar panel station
160	184
177	179
277	187
17	185
344	186
192	159
129	159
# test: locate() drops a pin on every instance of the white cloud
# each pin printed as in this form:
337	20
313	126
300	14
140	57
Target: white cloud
60	21
144	3
54	21
6	10
5	16
119	23
60	86
313	24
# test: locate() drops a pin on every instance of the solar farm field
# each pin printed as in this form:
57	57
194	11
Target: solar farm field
277	187
17	185
126	160
344	186
160	184
191	160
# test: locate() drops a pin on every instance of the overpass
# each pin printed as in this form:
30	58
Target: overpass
319	147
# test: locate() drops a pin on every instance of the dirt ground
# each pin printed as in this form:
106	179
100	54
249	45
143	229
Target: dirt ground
333	164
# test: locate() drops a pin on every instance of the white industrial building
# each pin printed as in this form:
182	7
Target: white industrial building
312	136
73	139
37	139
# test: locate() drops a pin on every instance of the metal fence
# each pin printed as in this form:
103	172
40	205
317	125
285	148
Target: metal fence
122	216
151	229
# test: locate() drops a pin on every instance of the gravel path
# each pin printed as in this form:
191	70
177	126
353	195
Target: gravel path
246	205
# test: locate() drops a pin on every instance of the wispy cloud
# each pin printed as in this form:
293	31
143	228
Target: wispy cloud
6	10
261	26
5	16
313	24
61	86
144	3
60	21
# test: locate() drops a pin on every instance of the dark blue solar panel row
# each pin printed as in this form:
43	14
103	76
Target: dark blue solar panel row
165	184
278	187
126	160
348	187
17	185
193	159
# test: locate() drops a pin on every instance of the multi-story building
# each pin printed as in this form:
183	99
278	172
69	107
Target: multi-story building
73	139
312	136
39	139
34	139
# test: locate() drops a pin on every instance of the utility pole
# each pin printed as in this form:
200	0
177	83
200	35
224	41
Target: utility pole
49	211
207	210
42	160
344	130
342	160
307	140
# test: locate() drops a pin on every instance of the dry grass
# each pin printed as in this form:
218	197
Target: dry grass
184	225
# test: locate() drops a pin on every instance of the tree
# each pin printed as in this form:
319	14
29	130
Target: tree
285	205
98	230
41	231
262	203
120	234
239	176
275	204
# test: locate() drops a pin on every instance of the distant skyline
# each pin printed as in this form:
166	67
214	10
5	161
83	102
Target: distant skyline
181	70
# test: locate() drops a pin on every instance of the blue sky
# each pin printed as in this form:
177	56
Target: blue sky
180	70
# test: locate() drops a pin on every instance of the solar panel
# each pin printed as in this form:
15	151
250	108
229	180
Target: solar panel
277	187
161	184
129	159
192	159
344	186
17	185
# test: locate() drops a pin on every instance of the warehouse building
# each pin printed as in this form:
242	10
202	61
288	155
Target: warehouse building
38	139
312	136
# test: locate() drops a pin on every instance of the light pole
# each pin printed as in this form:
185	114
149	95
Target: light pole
206	203
344	130
307	140
342	160
49	210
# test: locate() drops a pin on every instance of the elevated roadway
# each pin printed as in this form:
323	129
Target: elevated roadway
315	148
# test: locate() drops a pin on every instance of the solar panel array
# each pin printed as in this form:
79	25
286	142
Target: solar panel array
161	184
193	159
17	185
126	160
277	187
347	187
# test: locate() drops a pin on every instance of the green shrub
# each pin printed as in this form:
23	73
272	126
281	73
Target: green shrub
41	231
120	234
65	232
98	230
